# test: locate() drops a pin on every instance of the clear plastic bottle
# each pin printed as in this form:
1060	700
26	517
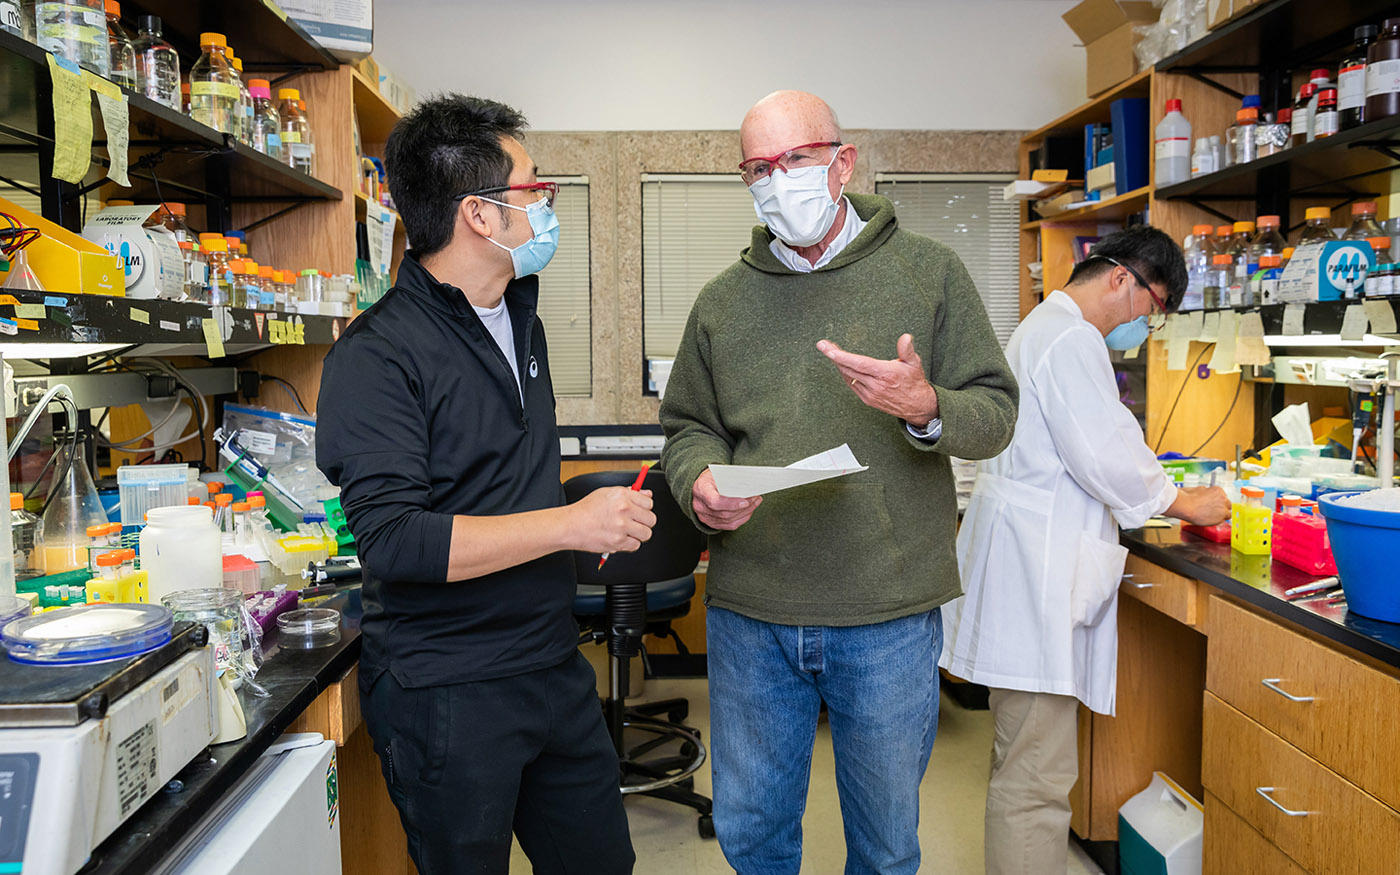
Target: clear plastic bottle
121	51
296	133
1198	255
1319	226
252	285
75	30
267	124
157	64
238	291
1239	257
1265	281
1172	147
214	86
220	276
1268	241
243	123
1363	222
1217	151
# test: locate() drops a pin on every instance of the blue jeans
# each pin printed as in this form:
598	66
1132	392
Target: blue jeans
767	683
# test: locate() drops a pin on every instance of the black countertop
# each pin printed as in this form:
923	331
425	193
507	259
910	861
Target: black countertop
1261	582
294	678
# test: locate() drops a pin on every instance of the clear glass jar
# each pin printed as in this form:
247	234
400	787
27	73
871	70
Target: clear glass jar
298	150
243	122
75	30
196	272
1363	222
157	64
221	612
27	537
121	51
220	276
214	88
171	217
1319	226
267	124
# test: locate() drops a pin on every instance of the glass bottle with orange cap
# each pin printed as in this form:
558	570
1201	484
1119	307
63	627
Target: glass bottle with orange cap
214	91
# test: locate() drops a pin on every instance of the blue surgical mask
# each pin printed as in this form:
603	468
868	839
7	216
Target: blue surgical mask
532	255
1129	335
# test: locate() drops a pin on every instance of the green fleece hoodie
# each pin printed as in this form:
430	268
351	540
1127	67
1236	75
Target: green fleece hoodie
750	388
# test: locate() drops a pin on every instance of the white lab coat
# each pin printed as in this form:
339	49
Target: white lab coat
1038	548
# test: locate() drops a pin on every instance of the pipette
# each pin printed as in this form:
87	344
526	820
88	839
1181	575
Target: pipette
230	449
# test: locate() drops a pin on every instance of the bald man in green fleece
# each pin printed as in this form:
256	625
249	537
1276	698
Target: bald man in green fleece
828	592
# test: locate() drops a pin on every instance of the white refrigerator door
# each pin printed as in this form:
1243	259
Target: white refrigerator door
283	817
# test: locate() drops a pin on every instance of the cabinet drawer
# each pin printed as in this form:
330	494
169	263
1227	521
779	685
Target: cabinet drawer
1233	847
1159	588
1321	820
336	712
1348	708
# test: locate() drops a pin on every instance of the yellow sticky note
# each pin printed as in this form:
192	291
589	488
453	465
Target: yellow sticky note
8	299
213	340
274	331
140	316
27	324
31	311
72	113
299	333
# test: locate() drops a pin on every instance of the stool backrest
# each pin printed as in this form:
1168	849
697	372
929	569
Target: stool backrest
675	546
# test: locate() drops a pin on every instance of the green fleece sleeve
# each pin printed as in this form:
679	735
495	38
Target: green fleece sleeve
695	436
977	393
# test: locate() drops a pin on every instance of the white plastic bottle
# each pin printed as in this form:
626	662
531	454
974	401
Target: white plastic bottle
1203	159
1173	147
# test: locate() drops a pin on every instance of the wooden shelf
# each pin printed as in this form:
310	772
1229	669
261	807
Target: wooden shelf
1114	208
377	116
258	31
1096	110
362	202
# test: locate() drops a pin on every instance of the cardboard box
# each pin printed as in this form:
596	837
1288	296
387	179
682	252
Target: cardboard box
1100	177
151	261
1327	271
1106	29
368	66
345	28
64	261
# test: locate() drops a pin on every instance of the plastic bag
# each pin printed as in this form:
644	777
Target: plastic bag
285	443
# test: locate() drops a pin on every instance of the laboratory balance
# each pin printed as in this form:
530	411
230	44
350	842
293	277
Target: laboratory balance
97	714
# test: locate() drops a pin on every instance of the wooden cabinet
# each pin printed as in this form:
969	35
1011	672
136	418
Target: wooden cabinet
1170	593
1233	847
1307	811
1332	707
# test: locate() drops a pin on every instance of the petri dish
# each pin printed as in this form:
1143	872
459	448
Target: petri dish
308	628
87	634
12	608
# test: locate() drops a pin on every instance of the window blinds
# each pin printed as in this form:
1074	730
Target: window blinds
693	227
565	304
970	215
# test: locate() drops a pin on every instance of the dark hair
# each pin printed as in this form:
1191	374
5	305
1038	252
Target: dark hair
1146	250
448	145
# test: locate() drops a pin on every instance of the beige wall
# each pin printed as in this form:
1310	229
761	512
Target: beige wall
614	163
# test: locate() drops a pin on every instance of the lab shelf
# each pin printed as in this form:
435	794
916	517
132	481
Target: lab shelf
258	31
1282	33
1321	169
377	116
156	322
1096	110
1114	208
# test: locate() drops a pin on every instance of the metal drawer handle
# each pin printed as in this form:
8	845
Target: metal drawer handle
1265	791
1139	585
1273	684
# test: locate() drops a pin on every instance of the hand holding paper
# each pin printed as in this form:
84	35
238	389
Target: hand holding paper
746	481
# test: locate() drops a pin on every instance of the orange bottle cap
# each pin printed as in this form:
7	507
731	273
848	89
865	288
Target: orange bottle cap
1317	213
213	39
1201	230
1222	259
192	501
223	498
1268	221
113	8
257	501
1379	242
214	487
92	531
266	271
240	507
1244	226
288	94
1365	208
110	559
1251	492
1223	230
16	500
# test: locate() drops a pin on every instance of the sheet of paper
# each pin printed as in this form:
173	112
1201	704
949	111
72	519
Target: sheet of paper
1177	350
745	481
1250	348
1382	316
72	126
1210	327
1195	324
31	311
1293	320
212	339
1133	353
1222	358
1354	322
380	231
115	119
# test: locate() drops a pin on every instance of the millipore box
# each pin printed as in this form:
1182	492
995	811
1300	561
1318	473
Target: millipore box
1333	270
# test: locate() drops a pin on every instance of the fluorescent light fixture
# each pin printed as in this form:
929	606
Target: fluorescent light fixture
1328	340
57	350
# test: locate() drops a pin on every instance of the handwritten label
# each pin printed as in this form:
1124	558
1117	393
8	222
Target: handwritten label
72	116
1293	320
169	326
1355	322
31	311
212	339
1382	317
140	316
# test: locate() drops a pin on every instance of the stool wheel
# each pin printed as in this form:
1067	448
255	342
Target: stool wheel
706	826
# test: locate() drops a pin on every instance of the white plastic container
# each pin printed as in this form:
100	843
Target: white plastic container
1161	829
1172	141
180	549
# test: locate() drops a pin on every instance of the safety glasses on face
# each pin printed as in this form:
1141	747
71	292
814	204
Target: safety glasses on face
548	191
808	155
1142	282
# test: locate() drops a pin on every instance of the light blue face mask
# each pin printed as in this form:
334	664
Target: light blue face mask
532	255
1129	335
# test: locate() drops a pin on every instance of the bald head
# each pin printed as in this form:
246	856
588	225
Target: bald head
785	119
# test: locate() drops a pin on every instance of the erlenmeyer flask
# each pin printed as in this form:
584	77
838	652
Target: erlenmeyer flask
21	275
73	506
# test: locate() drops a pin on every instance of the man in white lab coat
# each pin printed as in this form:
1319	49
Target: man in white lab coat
1038	549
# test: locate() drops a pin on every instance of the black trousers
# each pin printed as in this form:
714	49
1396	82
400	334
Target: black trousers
468	764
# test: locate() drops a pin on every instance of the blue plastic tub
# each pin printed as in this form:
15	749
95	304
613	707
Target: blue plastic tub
1365	543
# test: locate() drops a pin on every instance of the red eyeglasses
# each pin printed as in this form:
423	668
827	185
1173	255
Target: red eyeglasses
549	190
806	155
1142	282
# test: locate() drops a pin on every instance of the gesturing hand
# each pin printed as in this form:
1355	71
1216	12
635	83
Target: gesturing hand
716	511
896	386
613	520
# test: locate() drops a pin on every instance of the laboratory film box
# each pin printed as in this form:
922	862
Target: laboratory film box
1106	29
1330	271
152	264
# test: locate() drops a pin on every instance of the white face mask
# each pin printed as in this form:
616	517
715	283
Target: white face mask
796	206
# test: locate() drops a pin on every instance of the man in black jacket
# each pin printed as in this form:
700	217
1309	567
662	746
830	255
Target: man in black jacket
437	421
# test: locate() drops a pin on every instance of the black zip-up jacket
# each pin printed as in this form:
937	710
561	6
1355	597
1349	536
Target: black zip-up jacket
419	419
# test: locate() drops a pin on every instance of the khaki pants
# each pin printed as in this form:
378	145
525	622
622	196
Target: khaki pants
1035	762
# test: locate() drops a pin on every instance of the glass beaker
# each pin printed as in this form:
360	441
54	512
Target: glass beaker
73	505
